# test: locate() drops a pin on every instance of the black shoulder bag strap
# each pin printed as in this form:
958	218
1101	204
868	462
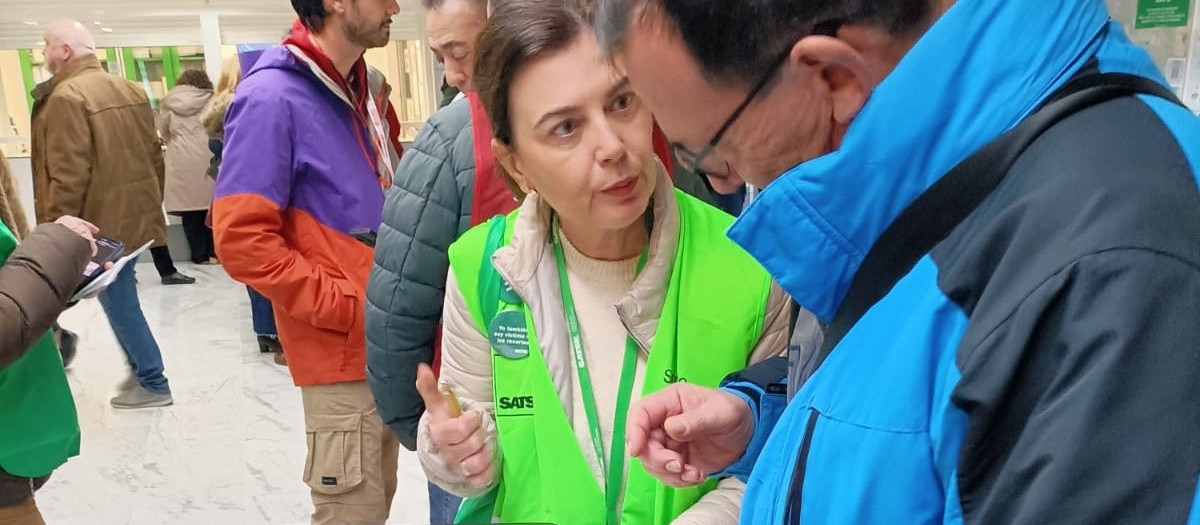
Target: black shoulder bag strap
936	212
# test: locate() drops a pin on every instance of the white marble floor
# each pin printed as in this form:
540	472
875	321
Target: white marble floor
231	449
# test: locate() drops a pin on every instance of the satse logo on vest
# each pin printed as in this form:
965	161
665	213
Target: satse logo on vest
509	403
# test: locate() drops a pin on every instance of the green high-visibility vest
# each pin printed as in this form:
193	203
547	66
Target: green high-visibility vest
711	320
39	428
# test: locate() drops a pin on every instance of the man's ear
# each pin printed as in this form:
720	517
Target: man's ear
844	69
334	6
508	161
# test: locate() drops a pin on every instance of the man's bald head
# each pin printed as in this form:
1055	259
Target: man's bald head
67	40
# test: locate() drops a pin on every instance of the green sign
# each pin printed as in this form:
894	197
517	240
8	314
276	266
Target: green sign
1161	13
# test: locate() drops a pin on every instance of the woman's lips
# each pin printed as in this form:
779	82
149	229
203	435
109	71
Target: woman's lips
623	189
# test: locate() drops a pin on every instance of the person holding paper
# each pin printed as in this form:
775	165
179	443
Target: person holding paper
38	426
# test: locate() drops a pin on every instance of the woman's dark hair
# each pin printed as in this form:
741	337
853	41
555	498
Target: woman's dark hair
194	78
518	32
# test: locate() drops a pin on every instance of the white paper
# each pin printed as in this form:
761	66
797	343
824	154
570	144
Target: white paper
109	275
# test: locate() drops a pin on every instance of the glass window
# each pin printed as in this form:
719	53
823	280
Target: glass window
409	71
407	65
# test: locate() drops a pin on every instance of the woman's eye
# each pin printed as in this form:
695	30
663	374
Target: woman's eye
623	102
564	129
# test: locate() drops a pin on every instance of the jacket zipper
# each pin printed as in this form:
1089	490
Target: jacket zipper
795	494
629	331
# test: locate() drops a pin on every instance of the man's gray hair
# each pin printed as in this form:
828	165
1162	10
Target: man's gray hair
612	22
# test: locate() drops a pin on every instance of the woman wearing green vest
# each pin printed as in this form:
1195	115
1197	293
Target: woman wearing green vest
606	284
38	426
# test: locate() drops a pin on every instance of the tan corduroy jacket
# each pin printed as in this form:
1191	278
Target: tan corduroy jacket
96	154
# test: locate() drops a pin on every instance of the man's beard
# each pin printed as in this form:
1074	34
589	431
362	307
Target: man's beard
368	37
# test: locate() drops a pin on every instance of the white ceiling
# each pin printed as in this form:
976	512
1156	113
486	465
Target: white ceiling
167	22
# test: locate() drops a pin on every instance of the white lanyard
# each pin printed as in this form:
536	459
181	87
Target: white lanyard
381	137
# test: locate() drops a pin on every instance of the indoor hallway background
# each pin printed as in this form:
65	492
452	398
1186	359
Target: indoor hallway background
230	451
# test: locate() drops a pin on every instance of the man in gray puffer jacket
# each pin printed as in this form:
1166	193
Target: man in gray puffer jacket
428	207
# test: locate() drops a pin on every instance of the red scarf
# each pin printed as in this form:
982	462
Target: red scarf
301	37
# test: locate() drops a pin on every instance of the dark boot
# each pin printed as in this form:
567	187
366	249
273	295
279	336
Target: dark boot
178	278
269	345
67	341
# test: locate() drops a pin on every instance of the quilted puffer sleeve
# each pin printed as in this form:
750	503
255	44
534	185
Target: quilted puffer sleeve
426	210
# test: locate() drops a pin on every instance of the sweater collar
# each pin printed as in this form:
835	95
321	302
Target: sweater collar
529	251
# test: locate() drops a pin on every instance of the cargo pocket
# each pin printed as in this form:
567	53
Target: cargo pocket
334	464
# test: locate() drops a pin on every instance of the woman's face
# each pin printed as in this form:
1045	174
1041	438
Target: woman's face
581	138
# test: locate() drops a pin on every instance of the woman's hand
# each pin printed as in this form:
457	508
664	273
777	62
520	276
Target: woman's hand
458	439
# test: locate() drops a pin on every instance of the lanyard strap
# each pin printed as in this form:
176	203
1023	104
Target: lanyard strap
614	467
381	137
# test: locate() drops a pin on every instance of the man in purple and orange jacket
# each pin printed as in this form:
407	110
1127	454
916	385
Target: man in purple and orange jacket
310	144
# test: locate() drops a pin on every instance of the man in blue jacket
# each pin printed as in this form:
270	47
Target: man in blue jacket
1037	364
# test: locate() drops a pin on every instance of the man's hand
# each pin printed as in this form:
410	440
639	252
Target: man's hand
84	228
685	432
460	441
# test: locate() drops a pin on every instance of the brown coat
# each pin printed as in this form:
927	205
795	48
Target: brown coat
12	214
35	284
96	154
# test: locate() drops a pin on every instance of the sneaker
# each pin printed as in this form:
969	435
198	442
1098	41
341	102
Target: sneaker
139	397
178	278
129	383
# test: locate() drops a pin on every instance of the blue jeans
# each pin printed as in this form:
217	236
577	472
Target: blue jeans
262	314
124	311
443	506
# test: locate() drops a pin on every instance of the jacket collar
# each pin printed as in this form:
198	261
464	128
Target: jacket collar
71	69
522	258
300	41
976	73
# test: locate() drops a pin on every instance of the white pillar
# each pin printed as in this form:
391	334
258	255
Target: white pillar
210	34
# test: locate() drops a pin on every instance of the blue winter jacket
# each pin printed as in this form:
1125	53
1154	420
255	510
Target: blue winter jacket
1038	366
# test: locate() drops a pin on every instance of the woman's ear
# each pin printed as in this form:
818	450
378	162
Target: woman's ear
508	162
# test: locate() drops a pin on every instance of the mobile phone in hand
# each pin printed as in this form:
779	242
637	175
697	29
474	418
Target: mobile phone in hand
107	250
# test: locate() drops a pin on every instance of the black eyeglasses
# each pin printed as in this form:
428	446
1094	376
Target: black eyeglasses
692	159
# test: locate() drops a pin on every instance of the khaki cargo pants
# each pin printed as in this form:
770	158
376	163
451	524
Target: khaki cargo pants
351	465
24	513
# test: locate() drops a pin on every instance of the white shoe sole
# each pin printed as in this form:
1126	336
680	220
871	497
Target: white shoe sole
152	404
